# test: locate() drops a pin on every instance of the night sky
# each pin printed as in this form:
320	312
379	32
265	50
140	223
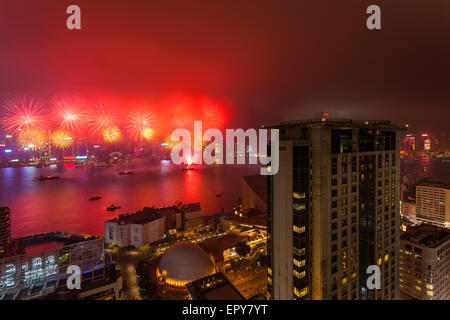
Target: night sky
270	60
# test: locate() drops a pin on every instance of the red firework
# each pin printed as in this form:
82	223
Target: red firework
140	124
100	119
68	114
23	113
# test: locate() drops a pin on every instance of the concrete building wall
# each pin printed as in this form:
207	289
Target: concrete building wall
191	219
320	230
123	235
154	230
137	236
110	232
424	272
282	257
250	199
409	210
433	205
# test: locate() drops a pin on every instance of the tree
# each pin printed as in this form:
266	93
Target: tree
242	249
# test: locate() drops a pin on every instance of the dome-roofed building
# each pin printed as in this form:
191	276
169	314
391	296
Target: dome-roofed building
182	263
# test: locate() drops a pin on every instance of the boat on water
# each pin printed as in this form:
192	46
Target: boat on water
42	178
189	167
94	198
112	208
125	172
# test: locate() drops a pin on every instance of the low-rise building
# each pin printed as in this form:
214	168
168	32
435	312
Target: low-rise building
213	287
408	210
149	225
36	267
433	203
192	215
134	229
424	270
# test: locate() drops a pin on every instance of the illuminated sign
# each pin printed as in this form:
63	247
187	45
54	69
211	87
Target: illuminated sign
427	145
8	150
81	157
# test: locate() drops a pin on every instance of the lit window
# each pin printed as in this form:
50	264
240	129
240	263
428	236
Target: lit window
301	293
299	275
299	206
299	195
299	229
299	263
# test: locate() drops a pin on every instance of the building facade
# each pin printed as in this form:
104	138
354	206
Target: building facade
192	215
333	210
424	266
149	225
31	273
5	229
433	203
408	209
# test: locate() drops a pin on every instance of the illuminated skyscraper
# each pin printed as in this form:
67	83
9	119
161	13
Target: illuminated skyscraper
333	210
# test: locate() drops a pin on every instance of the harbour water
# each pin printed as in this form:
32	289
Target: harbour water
63	204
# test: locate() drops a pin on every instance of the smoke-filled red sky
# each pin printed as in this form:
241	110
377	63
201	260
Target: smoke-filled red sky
259	61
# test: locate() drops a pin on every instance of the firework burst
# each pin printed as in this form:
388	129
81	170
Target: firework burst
100	120
67	114
139	125
61	139
23	113
31	138
111	134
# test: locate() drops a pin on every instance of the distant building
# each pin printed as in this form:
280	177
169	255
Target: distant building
433	203
213	287
254	193
5	229
408	209
192	215
149	225
424	271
